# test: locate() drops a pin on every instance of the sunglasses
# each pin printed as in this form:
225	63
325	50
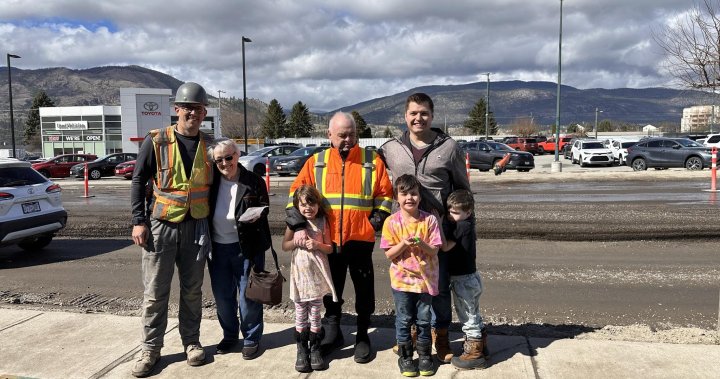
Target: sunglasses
190	108
225	159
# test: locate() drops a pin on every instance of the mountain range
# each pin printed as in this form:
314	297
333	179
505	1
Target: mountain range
509	100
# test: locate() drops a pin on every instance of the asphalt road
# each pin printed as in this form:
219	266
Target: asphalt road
584	248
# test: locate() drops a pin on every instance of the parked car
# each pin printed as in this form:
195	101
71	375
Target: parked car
523	144
484	154
31	209
548	146
590	152
712	140
100	167
661	152
567	149
256	160
125	169
291	164
59	166
619	148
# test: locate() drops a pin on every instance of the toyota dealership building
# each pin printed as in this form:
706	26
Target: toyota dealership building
104	129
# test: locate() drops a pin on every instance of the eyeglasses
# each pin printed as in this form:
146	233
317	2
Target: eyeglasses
225	159
190	108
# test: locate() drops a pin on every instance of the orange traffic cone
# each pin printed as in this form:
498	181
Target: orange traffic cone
500	165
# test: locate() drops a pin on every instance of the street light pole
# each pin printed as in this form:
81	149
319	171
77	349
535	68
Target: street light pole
487	107
244	39
12	119
557	165
596	116
217	122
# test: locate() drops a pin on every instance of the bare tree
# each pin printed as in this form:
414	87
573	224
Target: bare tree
523	127
692	46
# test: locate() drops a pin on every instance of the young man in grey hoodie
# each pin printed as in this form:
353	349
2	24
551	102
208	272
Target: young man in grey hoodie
439	164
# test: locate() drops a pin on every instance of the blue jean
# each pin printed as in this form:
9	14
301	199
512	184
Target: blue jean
442	303
467	290
412	308
229	270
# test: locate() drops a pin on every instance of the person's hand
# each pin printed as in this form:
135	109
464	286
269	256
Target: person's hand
411	241
139	235
310	244
299	238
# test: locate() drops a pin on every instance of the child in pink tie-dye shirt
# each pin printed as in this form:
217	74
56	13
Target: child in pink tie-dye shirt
411	239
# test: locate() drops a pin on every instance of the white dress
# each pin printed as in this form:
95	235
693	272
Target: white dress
309	270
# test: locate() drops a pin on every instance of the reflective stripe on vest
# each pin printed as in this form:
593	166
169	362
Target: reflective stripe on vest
175	195
363	201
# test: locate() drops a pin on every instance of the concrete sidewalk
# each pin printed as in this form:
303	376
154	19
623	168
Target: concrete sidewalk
39	344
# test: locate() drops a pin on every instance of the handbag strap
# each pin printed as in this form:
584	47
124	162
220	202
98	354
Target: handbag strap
275	258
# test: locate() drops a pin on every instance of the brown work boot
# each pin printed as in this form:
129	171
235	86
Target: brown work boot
195	354
442	345
145	363
472	356
413	337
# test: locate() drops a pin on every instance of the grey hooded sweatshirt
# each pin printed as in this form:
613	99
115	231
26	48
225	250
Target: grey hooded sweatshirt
441	170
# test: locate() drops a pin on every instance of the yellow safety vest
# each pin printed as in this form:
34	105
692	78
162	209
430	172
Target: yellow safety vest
174	193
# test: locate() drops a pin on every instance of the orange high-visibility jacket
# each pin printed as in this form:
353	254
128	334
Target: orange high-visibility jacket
351	190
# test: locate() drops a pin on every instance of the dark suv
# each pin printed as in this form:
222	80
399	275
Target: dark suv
484	154
660	152
59	167
100	167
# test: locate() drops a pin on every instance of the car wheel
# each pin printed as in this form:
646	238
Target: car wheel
259	169
95	174
541	150
620	161
638	164
36	242
694	163
44	173
582	163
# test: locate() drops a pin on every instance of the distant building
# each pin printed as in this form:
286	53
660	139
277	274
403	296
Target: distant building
698	118
650	130
104	129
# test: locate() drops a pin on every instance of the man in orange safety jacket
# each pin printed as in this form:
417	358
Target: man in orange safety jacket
357	195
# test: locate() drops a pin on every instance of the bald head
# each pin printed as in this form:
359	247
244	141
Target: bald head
342	132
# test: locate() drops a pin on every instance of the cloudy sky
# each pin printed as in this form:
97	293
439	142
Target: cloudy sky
329	54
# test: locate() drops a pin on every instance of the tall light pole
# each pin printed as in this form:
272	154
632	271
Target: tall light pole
557	165
12	119
596	114
245	39
487	107
217	122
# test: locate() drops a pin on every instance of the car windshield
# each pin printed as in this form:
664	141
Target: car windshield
688	142
500	146
593	145
260	152
302	152
19	176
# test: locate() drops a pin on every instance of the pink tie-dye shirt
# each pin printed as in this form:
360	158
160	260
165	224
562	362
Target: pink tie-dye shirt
413	270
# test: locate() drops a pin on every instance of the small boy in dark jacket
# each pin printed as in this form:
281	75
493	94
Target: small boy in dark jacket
465	281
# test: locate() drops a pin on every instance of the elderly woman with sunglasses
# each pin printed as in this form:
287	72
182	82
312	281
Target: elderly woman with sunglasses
237	246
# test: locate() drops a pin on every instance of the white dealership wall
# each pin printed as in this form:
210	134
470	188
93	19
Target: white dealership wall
145	109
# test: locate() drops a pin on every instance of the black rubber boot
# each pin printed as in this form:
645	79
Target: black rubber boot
405	362
316	359
425	361
302	362
333	336
363	350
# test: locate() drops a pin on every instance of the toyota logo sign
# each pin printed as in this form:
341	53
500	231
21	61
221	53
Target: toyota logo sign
151	106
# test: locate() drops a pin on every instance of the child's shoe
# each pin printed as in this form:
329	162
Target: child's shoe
425	362
472	356
316	359
405	362
302	362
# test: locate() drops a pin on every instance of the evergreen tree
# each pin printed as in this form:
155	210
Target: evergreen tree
273	125
476	119
387	133
299	124
32	124
363	130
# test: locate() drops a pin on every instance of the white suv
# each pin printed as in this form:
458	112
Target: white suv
712	140
619	148
31	208
590	152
